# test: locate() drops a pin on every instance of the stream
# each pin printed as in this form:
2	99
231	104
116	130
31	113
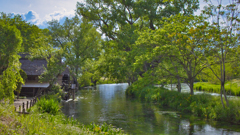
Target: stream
109	104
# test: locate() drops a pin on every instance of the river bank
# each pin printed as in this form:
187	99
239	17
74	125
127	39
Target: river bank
232	87
46	118
202	105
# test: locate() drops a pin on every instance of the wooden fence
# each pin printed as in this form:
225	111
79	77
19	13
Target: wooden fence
27	105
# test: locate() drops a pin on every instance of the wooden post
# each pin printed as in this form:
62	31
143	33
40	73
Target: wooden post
23	108
33	91
73	94
19	108
15	109
27	104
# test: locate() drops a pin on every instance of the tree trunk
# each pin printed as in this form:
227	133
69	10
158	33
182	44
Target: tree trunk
18	93
224	93
179	85
224	77
191	86
221	96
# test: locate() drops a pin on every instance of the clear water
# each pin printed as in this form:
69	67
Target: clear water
109	104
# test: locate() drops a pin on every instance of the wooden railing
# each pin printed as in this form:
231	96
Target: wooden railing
27	105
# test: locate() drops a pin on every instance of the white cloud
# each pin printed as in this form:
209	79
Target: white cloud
31	16
57	15
34	18
41	10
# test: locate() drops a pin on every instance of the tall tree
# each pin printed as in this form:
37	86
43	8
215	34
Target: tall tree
119	20
32	36
224	18
78	40
177	45
10	44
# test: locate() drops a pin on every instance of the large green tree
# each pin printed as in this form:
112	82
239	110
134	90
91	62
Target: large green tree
180	48
10	44
118	22
223	37
78	41
32	36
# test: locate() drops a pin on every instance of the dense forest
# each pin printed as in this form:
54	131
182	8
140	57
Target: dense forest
141	42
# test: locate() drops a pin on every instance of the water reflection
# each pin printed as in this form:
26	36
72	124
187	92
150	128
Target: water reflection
109	104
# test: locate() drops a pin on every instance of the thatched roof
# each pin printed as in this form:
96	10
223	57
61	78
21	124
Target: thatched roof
35	67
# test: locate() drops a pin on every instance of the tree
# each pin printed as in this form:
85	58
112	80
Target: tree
224	34
19	84
119	20
17	36
78	40
177	47
10	44
32	37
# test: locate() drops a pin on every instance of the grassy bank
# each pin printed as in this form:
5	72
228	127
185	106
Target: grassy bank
204	105
232	87
45	118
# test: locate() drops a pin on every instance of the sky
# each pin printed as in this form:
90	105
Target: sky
39	12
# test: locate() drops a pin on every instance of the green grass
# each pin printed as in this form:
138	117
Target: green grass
204	105
46	122
232	87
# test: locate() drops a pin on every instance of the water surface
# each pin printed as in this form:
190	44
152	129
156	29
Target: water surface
109	104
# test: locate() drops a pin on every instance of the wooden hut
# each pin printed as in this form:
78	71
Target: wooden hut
33	69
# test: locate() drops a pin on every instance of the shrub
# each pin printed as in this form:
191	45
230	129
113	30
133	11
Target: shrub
48	105
203	105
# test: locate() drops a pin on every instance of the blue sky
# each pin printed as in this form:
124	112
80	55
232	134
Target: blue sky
39	12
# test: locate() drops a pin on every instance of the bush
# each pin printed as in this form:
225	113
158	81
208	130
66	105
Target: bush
203	105
48	105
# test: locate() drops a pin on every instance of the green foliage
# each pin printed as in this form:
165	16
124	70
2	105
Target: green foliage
50	106
78	42
121	24
90	75
202	105
10	43
33	37
104	129
15	36
45	123
19	85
